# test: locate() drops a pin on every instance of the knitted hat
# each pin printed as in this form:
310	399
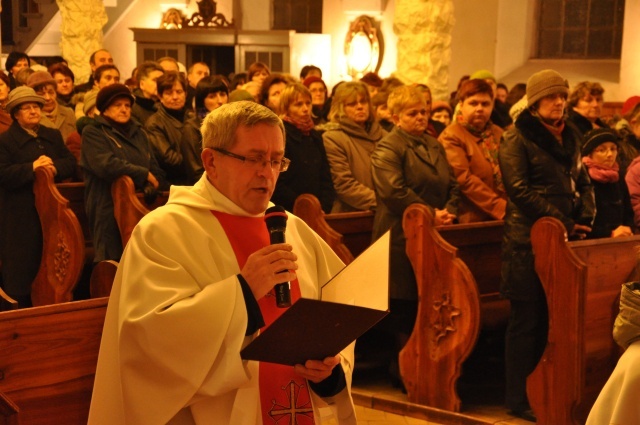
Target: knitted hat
20	95
596	137
108	94
629	104
239	94
40	78
545	83
482	74
313	79
90	98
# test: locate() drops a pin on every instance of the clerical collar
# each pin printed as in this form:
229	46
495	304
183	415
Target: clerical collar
224	204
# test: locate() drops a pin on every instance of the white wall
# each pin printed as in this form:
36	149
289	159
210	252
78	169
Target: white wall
515	35
474	38
630	62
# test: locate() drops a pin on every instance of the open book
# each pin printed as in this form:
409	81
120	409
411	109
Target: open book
351	303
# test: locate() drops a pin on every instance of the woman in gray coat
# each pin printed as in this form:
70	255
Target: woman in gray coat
349	146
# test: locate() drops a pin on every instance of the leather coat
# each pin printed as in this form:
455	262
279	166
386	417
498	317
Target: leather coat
542	178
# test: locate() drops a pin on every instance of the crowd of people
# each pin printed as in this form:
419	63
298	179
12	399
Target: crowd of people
487	153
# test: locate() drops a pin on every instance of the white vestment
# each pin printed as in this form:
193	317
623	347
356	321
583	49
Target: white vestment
619	400
176	321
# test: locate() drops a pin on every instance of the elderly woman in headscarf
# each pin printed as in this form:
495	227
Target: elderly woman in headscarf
349	147
471	145
25	146
543	176
114	145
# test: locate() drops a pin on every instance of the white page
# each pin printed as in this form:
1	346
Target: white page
364	282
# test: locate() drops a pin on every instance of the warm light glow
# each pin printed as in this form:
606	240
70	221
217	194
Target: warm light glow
312	49
360	53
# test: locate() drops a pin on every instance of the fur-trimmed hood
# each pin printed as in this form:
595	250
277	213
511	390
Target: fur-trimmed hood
533	129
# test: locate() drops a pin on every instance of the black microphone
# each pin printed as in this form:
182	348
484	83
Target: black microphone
276	220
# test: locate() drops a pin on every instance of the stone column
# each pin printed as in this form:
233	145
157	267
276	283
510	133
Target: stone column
82	23
423	28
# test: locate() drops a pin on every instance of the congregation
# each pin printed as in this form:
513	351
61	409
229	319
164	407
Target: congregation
540	149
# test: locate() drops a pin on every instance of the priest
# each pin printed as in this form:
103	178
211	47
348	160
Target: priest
195	286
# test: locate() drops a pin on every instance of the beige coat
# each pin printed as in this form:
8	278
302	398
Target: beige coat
349	150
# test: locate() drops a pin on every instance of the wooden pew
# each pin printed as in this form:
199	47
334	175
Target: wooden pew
6	302
453	304
48	358
63	252
348	234
129	207
582	282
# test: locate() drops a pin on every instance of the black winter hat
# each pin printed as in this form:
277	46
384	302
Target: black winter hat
108	94
596	137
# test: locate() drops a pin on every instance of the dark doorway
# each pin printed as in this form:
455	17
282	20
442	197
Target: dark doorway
221	59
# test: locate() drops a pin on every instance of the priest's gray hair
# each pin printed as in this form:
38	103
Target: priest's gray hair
219	127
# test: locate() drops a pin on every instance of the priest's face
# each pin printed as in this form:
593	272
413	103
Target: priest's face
247	172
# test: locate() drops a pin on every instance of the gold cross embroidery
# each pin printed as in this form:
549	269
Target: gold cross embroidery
279	411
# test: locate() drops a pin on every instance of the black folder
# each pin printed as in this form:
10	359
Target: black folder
316	329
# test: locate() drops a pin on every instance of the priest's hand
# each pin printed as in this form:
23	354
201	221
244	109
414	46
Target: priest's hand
263	268
317	370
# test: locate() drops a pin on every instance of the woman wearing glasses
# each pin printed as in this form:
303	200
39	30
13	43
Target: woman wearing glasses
614	215
309	170
350	145
114	145
25	146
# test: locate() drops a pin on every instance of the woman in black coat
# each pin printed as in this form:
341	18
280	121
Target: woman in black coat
25	146
112	146
614	215
309	170
543	177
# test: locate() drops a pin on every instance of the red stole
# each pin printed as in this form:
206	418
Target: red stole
284	396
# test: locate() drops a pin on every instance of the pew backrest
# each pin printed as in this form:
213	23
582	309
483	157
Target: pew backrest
582	282
129	207
348	234
448	320
48	358
63	250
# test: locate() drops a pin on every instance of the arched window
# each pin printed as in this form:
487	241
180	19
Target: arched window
580	29
301	15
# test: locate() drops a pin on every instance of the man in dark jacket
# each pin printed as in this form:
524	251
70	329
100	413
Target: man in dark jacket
146	95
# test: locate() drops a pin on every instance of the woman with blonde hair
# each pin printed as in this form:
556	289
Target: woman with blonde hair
309	168
408	167
349	147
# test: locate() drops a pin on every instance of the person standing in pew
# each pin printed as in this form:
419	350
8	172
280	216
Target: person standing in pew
114	145
349	144
614	215
543	176
195	285
471	145
309	171
25	146
408	166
